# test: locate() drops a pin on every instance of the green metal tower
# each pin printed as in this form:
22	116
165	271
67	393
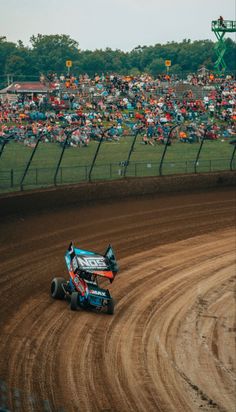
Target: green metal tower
220	27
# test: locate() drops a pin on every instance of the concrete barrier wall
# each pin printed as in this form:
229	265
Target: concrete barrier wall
40	200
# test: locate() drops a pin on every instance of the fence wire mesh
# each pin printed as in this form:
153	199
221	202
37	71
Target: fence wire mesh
23	167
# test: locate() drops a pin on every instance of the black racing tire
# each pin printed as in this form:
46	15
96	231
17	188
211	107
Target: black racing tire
111	307
74	300
57	291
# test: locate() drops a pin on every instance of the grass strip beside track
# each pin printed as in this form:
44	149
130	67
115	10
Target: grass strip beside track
145	160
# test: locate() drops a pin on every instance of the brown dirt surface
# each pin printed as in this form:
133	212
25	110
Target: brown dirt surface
170	346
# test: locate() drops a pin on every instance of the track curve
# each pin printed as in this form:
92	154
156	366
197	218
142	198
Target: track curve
170	344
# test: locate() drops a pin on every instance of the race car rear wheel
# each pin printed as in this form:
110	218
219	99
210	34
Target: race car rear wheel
111	307
57	291
74	300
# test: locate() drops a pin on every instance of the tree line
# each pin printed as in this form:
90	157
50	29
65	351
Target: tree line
48	53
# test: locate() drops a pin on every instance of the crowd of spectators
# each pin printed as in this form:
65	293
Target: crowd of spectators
122	104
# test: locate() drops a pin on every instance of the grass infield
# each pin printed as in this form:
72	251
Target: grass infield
145	160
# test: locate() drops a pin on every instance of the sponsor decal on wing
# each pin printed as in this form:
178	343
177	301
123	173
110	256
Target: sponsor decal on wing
90	263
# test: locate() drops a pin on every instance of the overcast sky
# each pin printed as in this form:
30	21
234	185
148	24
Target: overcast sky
118	24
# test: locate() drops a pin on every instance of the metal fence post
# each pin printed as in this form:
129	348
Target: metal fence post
132	149
68	134
165	149
12	178
4	143
2	147
232	158
60	159
29	162
199	151
96	153
94	159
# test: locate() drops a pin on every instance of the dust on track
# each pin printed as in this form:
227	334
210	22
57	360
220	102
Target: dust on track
170	344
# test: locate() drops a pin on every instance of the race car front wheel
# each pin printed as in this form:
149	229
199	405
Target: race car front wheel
57	291
74	300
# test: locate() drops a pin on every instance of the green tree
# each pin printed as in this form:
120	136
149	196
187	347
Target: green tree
157	66
15	65
6	50
176	69
50	52
230	54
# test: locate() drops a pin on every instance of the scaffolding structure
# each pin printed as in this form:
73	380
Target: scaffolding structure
220	27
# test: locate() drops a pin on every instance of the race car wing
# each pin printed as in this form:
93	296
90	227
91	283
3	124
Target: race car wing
85	260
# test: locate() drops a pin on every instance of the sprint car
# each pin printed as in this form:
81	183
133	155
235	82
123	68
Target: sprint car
82	288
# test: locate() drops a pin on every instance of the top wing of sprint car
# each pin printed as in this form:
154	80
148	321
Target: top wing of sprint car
78	260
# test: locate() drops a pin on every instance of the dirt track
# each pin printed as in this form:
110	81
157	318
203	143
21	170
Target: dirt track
170	345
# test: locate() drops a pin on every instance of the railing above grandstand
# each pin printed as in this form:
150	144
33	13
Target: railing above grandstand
224	25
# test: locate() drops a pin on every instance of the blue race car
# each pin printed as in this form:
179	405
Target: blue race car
82	289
